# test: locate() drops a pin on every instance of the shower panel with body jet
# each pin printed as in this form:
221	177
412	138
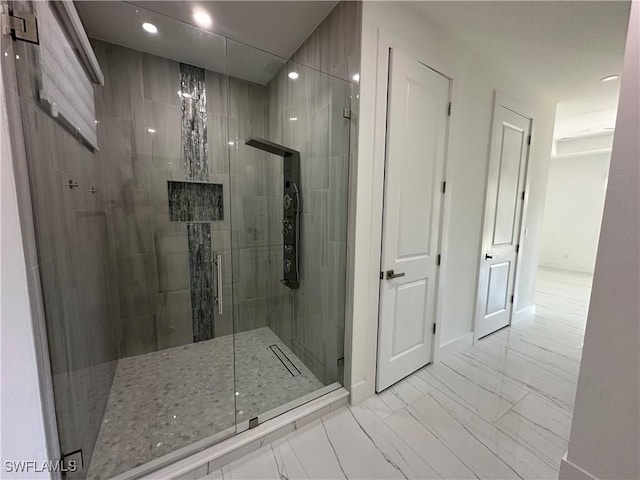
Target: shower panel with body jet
291	206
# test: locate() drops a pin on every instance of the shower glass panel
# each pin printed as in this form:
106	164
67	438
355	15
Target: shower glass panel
289	150
193	267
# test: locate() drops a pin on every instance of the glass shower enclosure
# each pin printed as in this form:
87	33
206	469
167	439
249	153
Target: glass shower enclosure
194	271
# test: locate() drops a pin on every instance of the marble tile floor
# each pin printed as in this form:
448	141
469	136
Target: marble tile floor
162	401
500	409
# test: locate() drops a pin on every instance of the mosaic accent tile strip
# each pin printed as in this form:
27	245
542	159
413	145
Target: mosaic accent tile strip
201	280
194	123
194	161
195	202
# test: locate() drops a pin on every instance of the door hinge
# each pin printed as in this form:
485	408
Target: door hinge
434	328
346	113
381	275
340	361
529	140
523	195
438	259
21	25
444	187
511	298
517	248
73	461
449	110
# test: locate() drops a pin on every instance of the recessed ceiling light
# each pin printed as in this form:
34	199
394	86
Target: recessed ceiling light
203	19
293	119
151	130
609	78
356	77
293	75
149	27
232	143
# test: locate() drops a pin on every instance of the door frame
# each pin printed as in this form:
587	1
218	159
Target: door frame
17	141
502	100
386	42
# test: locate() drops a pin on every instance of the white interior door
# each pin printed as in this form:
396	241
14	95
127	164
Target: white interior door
503	217
417	119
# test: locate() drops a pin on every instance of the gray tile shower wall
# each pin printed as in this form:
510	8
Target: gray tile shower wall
252	225
75	263
334	47
156	275
307	114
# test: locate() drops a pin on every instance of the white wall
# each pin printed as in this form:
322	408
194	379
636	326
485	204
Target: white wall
21	400
573	210
474	82
605	432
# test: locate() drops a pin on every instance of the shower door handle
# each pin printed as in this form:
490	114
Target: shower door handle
218	263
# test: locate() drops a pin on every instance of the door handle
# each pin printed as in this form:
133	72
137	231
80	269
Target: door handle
391	275
218	264
487	256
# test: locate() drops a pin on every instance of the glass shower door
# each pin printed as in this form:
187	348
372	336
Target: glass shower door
193	267
127	239
289	152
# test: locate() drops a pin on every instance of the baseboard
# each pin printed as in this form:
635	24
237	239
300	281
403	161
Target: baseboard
455	345
565	268
570	471
524	314
361	391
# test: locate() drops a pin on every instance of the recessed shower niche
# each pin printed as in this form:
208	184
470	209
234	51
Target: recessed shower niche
195	202
194	281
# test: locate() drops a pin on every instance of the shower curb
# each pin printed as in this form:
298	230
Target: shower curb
214	457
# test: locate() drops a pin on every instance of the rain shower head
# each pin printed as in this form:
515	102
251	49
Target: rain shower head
275	148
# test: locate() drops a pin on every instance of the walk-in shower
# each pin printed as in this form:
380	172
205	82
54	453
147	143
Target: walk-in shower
193	261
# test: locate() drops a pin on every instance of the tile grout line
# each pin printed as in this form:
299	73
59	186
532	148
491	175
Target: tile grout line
510	409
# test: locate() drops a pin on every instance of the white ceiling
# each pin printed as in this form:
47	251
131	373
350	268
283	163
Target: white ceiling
277	27
561	48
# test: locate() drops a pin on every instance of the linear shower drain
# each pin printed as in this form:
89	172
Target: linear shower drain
288	364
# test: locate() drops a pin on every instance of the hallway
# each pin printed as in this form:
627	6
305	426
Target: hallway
499	409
